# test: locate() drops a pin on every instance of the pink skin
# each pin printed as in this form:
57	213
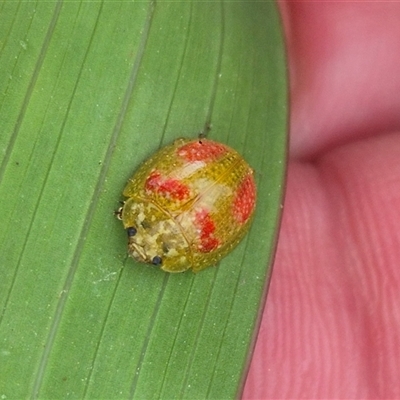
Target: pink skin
331	325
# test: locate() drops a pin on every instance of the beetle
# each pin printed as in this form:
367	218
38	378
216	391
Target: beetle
188	205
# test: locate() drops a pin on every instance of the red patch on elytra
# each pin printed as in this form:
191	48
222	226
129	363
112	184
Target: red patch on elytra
156	183
245	199
206	225
204	150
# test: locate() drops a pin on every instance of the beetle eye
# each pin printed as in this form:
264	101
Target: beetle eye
157	260
131	231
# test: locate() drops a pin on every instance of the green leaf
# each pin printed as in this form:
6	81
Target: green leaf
88	90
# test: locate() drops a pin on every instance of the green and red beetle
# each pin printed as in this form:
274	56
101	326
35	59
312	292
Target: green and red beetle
188	205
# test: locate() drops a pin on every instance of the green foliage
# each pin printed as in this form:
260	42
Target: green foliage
88	90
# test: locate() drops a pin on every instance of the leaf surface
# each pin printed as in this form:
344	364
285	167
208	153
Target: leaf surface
88	90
